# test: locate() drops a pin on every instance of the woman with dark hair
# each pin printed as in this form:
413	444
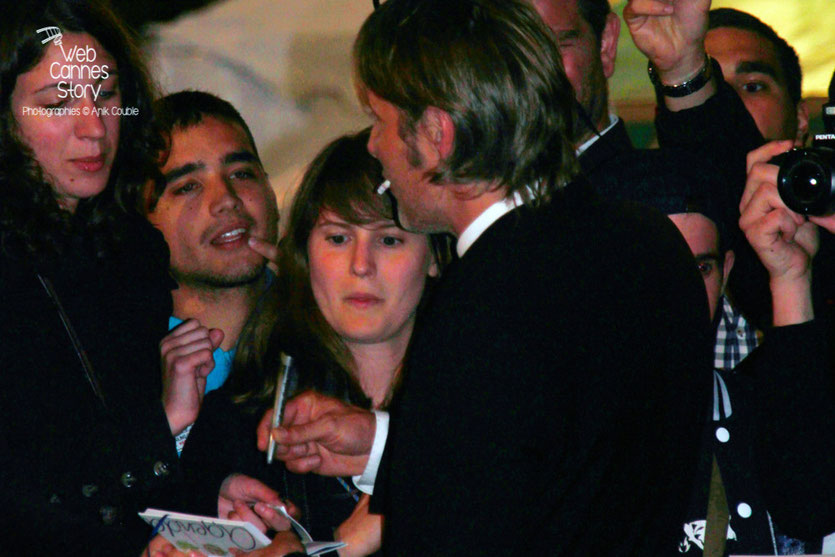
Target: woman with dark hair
84	291
344	305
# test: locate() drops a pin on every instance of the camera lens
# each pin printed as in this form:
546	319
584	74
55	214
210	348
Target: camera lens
806	182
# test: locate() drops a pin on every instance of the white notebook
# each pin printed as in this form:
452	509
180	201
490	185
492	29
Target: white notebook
216	536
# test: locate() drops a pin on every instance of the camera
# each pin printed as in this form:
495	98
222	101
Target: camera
806	181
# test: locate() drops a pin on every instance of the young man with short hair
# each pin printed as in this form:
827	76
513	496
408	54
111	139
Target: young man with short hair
218	213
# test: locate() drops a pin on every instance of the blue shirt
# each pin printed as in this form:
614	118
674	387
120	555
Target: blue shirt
223	361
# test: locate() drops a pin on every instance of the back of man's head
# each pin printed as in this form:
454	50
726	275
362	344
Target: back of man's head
595	13
673	181
786	55
494	67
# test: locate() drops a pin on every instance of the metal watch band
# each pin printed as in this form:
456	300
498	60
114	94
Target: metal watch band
685	88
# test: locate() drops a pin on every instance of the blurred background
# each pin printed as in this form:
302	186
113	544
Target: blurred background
285	64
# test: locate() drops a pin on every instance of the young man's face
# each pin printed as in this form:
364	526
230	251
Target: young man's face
701	235
216	197
587	62
749	63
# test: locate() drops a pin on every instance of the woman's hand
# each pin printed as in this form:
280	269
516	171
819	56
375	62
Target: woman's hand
362	531
160	547
245	498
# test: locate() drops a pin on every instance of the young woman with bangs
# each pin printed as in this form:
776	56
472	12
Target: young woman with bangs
344	305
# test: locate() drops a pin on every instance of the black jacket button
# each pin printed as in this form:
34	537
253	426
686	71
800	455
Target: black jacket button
161	469
128	479
88	490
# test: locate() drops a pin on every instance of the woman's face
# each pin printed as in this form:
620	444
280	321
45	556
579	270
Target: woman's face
368	280
67	112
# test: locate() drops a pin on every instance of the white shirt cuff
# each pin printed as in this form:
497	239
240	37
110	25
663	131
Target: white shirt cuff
365	482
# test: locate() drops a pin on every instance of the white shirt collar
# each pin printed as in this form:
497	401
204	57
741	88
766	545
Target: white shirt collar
612	121
482	222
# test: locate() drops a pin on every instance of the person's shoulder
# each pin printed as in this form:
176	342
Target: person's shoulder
142	238
579	205
144	247
140	266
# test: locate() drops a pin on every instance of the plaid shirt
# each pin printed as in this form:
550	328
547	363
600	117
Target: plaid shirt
735	338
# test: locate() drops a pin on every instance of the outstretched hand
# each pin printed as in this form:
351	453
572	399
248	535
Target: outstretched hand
321	434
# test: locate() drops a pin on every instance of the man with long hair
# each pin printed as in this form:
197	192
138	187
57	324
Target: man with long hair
556	374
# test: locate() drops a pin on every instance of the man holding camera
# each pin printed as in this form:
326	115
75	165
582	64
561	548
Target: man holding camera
751	90
792	385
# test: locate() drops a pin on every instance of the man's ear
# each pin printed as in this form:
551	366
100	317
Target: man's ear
802	121
727	266
439	132
609	44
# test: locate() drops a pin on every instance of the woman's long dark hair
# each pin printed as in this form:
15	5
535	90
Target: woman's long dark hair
342	179
31	222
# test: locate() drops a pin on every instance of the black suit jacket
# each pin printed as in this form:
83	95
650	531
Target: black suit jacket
555	387
611	144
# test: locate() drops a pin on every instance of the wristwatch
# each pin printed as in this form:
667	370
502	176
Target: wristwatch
687	87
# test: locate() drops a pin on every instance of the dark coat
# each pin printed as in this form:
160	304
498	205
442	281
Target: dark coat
611	144
770	428
554	389
723	132
76	468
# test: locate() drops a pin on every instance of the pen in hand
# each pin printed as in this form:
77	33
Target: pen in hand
280	399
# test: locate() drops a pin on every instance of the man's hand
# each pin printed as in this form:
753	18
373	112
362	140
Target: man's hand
187	360
245	498
321	434
784	241
363	531
671	34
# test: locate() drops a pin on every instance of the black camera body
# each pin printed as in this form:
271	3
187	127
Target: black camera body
807	176
806	181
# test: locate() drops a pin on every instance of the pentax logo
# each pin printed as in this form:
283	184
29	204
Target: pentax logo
78	64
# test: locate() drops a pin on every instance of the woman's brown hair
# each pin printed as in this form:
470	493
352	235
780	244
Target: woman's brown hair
342	179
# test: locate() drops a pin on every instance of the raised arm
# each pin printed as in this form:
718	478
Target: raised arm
671	33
